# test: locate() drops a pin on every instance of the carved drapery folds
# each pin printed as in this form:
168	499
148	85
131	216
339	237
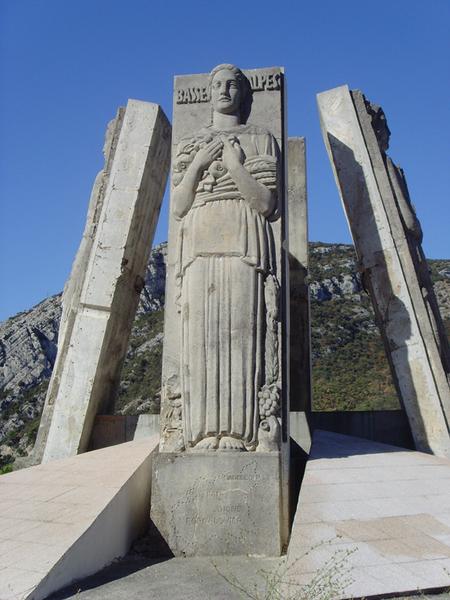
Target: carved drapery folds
225	197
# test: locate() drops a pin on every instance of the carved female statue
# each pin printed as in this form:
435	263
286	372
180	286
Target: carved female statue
225	192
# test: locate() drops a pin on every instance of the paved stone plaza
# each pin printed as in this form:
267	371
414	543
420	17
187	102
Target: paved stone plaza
387	508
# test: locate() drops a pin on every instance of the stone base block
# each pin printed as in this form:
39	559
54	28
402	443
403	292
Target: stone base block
211	504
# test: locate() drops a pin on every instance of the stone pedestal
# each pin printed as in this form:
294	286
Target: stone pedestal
208	504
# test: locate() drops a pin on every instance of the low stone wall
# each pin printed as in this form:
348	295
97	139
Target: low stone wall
110	430
384	426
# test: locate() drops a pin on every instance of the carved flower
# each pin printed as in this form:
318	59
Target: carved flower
179	167
216	169
269	401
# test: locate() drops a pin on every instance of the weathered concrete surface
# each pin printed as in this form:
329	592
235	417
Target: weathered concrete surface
147	425
103	293
69	518
387	238
217	220
299	429
217	504
225	388
189	579
74	285
384	426
110	430
300	328
215	578
383	511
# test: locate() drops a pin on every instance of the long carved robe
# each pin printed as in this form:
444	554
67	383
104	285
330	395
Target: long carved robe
224	258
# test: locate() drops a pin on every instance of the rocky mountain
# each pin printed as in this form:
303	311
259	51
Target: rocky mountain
350	370
28	345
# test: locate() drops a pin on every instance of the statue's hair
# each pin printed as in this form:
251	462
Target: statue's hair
244	86
226	67
241	78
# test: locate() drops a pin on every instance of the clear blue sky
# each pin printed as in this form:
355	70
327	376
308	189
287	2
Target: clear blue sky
67	65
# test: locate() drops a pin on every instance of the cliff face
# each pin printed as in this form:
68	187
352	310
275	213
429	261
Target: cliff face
350	369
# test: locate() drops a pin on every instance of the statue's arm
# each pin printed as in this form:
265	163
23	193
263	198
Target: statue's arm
258	196
184	193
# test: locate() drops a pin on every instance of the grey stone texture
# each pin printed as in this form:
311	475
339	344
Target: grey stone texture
110	430
73	287
67	519
226	355
379	514
102	294
387	238
211	504
300	328
373	521
225	260
28	349
199	578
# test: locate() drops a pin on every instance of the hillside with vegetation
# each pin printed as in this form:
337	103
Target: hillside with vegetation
350	369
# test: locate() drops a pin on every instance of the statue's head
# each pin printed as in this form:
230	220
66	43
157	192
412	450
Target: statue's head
229	90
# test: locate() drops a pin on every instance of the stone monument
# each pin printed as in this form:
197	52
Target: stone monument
387	237
101	297
219	483
299	334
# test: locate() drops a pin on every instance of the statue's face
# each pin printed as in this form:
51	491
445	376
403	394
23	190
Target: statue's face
225	93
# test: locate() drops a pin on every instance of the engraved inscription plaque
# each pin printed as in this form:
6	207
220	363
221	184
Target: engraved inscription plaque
228	505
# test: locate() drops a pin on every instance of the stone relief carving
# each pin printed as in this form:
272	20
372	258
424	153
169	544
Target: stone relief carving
412	230
258	83
225	195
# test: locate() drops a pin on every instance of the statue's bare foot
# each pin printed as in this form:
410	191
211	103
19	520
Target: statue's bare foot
209	443
230	444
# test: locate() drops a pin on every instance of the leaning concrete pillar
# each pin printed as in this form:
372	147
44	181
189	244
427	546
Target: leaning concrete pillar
387	237
73	287
101	297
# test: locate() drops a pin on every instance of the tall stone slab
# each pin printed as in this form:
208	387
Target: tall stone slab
387	237
74	285
102	294
300	330
219	483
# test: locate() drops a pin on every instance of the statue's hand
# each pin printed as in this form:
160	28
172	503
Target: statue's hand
206	155
233	155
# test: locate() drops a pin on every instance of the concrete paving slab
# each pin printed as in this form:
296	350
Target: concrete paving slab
384	508
218	578
60	523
